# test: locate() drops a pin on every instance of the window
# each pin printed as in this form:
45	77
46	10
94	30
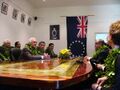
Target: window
102	35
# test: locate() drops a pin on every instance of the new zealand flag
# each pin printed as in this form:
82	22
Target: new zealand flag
77	35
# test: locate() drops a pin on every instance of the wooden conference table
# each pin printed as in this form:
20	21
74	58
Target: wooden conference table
47	74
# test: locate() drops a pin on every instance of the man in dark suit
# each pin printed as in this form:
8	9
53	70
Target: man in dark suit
101	53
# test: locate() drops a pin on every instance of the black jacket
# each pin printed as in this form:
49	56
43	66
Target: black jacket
99	59
116	85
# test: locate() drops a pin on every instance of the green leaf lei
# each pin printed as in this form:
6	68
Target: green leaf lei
6	55
40	51
110	67
32	49
99	50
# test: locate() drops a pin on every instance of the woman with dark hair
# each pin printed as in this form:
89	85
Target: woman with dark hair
110	76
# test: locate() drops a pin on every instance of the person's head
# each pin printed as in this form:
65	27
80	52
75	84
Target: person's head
114	34
17	44
41	45
99	43
7	43
33	41
51	46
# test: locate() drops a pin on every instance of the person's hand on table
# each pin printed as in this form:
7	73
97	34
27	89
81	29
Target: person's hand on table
46	56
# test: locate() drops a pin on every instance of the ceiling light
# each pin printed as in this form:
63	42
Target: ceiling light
43	0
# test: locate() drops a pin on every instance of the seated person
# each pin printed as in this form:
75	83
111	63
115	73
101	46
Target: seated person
41	48
50	51
2	51
110	76
15	53
101	53
5	50
30	51
17	44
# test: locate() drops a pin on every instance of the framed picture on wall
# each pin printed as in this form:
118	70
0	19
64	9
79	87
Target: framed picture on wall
22	18
15	14
29	21
4	8
54	32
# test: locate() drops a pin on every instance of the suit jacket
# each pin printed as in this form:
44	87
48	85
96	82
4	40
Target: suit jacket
116	84
99	59
27	55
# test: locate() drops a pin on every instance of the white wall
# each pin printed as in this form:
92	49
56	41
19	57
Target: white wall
102	17
14	29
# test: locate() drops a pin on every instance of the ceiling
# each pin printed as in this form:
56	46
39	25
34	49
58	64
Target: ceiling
62	3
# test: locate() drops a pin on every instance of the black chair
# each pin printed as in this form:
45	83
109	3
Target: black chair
15	54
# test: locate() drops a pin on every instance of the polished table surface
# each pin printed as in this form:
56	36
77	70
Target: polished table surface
53	74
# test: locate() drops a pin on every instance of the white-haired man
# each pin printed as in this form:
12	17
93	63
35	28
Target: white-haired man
30	51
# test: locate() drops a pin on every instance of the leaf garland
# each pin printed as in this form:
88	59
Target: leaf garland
110	67
102	48
31	49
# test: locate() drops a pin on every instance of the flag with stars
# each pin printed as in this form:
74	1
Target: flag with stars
76	35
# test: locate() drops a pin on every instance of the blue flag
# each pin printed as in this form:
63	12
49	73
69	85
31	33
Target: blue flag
76	35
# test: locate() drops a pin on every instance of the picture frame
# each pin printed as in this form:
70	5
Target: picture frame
29	21
23	18
15	14
4	8
54	32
